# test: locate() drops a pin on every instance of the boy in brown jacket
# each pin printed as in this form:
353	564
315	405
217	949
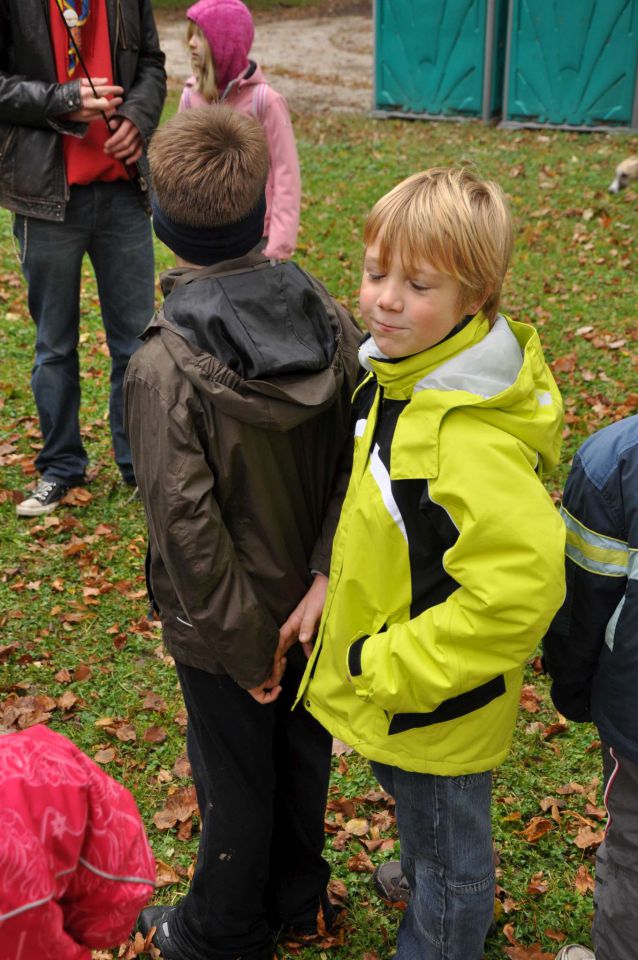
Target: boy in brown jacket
237	408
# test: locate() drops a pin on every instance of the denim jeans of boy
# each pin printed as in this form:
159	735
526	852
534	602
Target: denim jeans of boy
105	220
446	855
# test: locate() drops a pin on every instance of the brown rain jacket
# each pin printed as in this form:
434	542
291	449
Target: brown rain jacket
237	408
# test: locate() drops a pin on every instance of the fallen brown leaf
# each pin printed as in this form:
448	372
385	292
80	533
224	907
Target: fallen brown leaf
530	698
583	881
586	837
154	735
67	700
182	767
536	828
556	935
360	863
357	827
153	701
165	875
337	893
180	805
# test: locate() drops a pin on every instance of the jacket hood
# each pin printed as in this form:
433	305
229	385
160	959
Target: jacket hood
229	29
258	340
496	374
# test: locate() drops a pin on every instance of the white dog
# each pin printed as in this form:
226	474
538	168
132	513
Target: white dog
625	171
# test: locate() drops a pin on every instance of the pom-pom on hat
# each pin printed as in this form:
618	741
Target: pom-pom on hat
229	29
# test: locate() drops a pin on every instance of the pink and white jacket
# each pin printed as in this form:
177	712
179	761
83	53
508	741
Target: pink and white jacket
75	865
254	97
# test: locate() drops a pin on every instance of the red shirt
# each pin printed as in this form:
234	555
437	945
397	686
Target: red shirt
84	158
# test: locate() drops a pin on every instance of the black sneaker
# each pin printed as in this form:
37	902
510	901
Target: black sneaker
160	918
324	923
390	882
44	499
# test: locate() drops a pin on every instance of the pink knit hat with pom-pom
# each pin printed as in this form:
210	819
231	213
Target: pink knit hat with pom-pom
228	27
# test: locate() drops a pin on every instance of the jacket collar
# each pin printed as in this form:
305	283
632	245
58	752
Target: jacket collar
179	276
251	75
399	378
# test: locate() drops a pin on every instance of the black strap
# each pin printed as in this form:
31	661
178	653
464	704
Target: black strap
450	709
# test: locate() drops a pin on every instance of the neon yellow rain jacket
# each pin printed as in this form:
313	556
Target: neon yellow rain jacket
448	561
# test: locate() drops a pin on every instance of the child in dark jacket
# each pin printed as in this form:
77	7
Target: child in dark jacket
591	653
237	408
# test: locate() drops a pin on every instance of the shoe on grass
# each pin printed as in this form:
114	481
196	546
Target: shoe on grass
572	951
160	918
390	882
44	499
321	925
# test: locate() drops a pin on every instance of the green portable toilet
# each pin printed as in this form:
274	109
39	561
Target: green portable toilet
439	58
571	64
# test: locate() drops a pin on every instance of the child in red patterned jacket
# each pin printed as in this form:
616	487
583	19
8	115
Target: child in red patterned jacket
75	865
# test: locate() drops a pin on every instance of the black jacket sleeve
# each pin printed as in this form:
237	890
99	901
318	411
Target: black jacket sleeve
29	102
144	98
596	539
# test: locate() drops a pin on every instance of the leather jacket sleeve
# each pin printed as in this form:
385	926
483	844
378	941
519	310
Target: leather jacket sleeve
33	103
145	92
138	67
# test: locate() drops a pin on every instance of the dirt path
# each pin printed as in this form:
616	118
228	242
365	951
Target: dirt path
319	63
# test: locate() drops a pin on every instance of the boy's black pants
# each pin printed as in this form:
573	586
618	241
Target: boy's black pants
261	774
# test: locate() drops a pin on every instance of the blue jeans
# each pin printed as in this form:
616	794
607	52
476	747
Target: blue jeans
105	220
446	855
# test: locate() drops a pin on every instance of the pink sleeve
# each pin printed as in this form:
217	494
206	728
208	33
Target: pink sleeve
286	180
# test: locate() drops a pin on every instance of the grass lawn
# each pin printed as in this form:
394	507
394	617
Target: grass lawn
78	652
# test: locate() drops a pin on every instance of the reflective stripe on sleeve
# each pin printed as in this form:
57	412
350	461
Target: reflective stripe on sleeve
594	552
632	574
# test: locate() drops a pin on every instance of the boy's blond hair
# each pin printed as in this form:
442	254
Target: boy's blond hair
208	166
205	71
456	221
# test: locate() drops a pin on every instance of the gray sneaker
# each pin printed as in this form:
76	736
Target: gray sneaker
44	499
390	882
572	951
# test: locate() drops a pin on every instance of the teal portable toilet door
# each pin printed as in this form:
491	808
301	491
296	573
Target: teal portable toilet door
572	62
436	57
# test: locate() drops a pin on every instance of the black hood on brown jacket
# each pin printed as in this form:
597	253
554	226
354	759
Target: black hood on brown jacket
263	350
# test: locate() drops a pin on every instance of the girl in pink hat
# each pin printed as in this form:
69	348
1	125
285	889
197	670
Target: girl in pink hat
220	35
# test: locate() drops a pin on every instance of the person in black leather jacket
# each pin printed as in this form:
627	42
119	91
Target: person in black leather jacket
74	188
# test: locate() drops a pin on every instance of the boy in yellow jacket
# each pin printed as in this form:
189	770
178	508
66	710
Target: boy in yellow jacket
447	564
